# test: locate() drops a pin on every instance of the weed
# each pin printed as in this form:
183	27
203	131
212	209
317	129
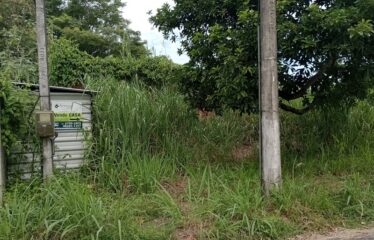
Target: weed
146	140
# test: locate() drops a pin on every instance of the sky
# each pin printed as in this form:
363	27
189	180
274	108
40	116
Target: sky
136	11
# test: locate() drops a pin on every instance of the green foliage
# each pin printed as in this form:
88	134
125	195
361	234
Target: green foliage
67	209
17	33
156	172
89	38
68	65
227	195
152	71
96	26
325	51
151	133
157	71
330	134
17	64
144	173
16	108
17	40
71	67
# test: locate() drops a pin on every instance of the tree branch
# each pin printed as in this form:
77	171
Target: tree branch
297	111
310	82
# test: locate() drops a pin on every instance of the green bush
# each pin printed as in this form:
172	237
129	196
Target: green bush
70	67
16	112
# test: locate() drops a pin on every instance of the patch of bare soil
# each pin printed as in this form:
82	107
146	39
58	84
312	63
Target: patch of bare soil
190	231
340	234
192	228
242	152
176	188
205	115
186	233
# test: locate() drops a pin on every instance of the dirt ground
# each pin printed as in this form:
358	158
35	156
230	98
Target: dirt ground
341	234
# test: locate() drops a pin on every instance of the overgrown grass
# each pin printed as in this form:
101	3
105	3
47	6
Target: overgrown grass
158	172
66	208
143	136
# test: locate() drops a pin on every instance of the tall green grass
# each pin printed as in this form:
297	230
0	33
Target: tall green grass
333	140
65	208
133	120
157	172
143	136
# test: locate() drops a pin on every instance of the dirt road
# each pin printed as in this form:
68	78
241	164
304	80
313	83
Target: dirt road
362	234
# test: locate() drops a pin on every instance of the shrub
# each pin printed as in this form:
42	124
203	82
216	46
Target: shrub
16	108
69	67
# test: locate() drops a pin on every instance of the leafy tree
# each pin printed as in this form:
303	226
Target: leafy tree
326	50
17	34
97	26
17	40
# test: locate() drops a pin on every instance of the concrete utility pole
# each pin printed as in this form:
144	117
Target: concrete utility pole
43	82
270	136
2	169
